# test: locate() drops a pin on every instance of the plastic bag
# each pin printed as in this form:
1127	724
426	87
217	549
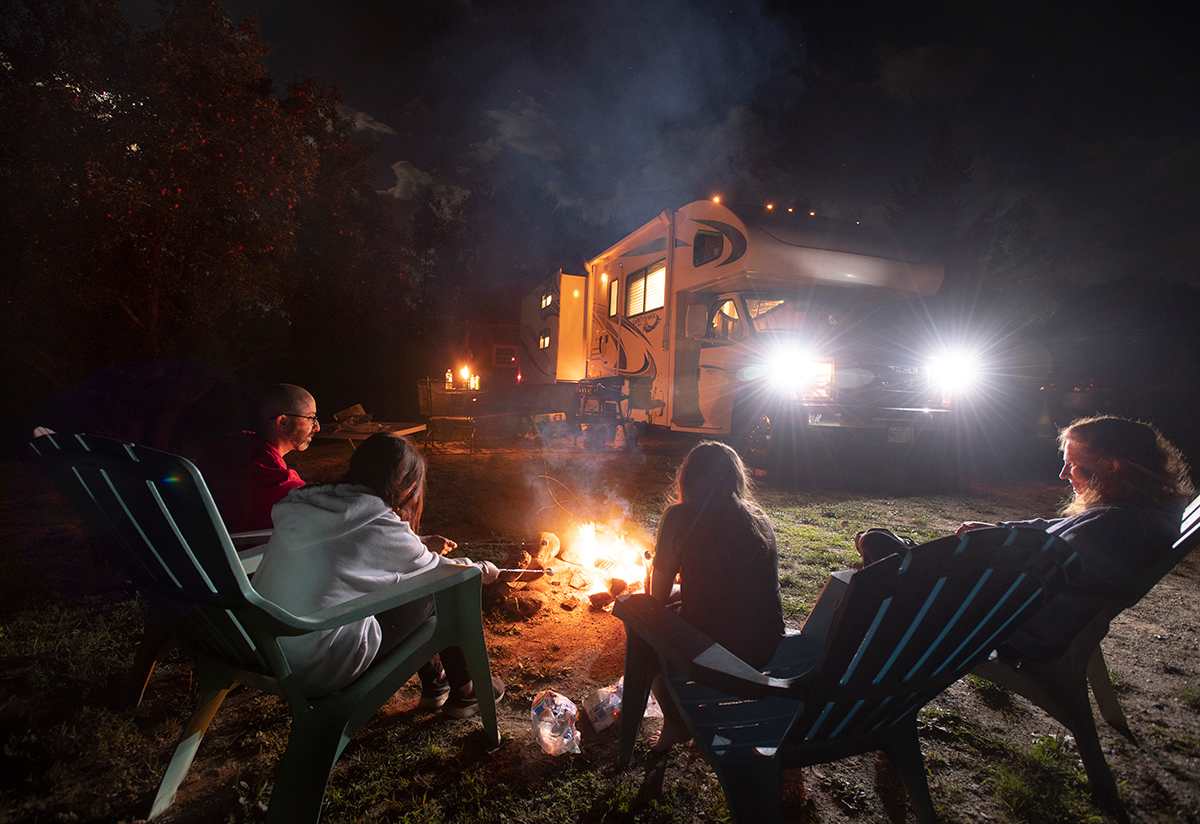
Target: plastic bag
603	706
553	717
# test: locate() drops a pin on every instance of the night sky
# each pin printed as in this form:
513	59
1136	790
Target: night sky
556	128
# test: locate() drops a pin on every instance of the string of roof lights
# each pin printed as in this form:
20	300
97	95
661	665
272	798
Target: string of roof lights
770	207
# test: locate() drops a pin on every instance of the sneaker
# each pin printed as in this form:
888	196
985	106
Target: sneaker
467	705
434	695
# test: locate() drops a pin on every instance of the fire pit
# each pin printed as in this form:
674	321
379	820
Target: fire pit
595	564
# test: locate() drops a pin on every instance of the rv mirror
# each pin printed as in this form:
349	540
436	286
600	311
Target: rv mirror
696	323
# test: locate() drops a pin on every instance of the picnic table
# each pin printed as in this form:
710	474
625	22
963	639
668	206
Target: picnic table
352	432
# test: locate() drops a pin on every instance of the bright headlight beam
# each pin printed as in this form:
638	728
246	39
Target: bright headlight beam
797	370
954	372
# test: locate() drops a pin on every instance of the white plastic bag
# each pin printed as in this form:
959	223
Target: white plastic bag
553	717
603	706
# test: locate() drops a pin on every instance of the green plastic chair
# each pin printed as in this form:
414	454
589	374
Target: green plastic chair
879	645
158	633
1058	683
167	527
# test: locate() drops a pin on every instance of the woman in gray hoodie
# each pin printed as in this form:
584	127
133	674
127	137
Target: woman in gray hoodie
336	542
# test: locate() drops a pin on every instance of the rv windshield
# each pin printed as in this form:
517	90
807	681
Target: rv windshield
819	308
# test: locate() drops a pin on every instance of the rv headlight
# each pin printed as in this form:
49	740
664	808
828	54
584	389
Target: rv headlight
797	372
954	372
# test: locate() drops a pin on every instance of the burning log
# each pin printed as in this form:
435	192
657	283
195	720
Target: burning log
616	586
601	599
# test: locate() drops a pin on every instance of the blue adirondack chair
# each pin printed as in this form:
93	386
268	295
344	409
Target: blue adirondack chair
168	529
902	630
1058	682
158	631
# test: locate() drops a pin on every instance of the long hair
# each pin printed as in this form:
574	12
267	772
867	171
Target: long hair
712	478
1131	463
393	469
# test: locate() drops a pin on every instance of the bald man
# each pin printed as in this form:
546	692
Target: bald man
247	474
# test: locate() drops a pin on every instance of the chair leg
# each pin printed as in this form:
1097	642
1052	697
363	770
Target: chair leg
313	748
1100	778
753	789
1106	696
904	751
475	652
640	667
156	640
210	701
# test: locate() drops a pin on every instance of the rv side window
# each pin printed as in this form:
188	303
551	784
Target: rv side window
645	290
706	247
547	299
656	288
612	298
635	294
544	339
725	323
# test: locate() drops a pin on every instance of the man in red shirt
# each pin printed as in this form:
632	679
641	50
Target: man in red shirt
247	474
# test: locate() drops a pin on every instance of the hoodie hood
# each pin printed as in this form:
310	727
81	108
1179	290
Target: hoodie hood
322	513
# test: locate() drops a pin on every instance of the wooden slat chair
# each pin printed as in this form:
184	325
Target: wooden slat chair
158	634
906	628
1058	682
168	528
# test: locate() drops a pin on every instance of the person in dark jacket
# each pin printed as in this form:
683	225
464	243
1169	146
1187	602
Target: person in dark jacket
1129	485
722	547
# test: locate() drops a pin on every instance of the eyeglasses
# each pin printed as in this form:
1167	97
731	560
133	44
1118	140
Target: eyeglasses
312	418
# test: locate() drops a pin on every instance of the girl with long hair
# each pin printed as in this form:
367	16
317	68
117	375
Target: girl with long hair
336	542
720	544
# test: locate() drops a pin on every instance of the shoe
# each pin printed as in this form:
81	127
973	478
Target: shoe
434	695
467	705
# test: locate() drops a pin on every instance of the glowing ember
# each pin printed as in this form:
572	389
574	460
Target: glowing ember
603	555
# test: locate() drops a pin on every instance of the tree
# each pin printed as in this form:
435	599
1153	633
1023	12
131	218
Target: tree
152	182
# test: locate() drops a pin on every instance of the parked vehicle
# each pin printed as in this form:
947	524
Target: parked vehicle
727	322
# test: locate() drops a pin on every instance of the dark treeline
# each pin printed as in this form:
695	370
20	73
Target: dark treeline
175	226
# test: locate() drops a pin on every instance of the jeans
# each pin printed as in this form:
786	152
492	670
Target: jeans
397	624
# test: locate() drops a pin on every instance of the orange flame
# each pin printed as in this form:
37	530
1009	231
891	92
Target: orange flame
604	553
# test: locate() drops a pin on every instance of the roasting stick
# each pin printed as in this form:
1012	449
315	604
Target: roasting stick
547	570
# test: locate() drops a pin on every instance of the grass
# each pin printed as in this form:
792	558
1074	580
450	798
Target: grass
990	693
1190	696
1045	785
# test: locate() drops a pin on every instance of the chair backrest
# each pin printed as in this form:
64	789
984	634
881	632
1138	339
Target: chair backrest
1189	536
915	622
156	509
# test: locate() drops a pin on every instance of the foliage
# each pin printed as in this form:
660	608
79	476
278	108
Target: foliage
162	202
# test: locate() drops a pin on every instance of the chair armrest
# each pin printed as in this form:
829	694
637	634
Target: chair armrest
251	558
698	656
252	536
419	586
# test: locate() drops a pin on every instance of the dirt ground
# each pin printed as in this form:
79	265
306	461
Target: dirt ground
68	627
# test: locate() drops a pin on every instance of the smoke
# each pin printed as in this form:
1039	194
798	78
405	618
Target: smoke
646	114
363	122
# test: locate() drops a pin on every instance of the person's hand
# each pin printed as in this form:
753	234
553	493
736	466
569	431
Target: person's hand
970	526
438	544
490	571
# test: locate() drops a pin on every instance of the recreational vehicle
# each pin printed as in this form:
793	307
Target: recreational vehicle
724	321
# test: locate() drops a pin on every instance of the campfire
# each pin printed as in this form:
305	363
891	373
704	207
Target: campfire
595	560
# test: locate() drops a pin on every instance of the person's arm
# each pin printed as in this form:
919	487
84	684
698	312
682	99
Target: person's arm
1034	523
668	557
